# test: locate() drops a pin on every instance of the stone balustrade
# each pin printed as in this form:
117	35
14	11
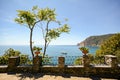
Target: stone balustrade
84	70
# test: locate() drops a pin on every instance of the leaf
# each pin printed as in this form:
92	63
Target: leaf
34	8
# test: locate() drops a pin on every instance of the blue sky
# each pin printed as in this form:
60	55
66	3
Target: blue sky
85	17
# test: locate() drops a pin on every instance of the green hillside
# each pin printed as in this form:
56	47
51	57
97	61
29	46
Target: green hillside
95	40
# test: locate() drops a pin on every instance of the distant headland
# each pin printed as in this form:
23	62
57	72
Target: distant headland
94	40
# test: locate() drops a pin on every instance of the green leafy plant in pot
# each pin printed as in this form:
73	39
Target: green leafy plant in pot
84	50
37	50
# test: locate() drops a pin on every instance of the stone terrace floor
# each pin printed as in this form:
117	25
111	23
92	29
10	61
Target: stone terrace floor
28	76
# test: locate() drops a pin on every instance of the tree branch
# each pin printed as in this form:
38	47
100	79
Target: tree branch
42	29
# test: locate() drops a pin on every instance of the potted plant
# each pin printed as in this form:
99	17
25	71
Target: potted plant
37	50
84	50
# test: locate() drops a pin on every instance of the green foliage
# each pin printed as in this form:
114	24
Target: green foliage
11	52
35	48
65	28
46	60
24	59
36	14
91	57
48	16
98	60
84	49
45	15
55	32
25	17
78	61
30	19
3	60
110	46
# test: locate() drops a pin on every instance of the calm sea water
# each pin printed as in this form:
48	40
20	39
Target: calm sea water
52	50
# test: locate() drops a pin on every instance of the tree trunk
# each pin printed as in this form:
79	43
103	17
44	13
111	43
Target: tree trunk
31	32
45	46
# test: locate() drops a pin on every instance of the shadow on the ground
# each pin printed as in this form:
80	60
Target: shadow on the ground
23	76
95	78
34	76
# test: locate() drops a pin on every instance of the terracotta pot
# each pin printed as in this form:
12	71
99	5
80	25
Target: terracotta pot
85	52
37	52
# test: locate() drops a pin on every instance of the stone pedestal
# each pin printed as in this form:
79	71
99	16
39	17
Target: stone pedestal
37	63
111	60
86	61
114	63
61	62
86	64
13	62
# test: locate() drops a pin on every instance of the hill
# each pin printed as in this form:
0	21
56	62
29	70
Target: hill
94	40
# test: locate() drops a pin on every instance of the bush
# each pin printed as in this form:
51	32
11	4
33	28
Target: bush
78	61
11	52
110	47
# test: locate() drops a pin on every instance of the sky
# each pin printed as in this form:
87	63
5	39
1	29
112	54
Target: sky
85	18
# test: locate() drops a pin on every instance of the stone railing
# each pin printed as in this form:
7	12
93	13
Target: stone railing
84	70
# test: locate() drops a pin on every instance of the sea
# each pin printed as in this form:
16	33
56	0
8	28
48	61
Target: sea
70	52
52	50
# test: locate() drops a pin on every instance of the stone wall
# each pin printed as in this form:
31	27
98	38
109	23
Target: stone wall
84	70
3	69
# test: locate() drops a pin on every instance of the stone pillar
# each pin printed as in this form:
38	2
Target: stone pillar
13	62
61	62
111	60
37	63
114	63
86	64
86	61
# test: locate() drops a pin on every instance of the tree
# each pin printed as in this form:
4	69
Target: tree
110	46
29	19
37	15
48	16
53	34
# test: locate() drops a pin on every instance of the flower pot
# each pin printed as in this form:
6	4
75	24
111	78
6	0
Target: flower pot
85	52
37	52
